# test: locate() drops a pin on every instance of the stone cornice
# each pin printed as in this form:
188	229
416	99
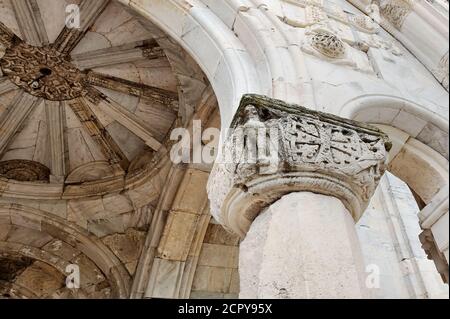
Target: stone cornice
307	151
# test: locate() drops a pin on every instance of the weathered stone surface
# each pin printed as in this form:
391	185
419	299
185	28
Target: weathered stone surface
127	247
309	266
278	148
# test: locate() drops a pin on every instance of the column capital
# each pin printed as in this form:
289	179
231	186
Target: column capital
274	148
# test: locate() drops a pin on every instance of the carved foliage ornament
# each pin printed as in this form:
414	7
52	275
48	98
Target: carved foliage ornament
315	152
328	44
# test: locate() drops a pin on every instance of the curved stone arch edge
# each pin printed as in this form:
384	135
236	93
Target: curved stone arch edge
398	112
34	253
383	111
92	247
227	63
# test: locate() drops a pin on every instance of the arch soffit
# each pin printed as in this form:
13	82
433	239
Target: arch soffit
73	235
213	45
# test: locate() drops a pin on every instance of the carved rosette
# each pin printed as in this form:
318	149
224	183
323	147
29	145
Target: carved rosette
328	44
395	11
305	151
43	72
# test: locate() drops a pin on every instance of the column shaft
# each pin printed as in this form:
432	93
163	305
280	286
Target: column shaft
303	246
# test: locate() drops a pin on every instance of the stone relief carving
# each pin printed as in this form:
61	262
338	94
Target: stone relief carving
312	15
24	171
43	72
316	152
363	23
328	44
336	12
395	11
304	3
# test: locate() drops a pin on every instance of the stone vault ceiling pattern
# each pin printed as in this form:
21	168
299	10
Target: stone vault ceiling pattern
85	119
89	105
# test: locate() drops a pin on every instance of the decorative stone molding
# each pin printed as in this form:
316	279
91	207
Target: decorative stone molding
395	11
316	152
24	171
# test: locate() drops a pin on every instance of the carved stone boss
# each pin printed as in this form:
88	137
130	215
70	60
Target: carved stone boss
313	151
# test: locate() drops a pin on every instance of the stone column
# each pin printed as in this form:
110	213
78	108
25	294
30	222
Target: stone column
294	196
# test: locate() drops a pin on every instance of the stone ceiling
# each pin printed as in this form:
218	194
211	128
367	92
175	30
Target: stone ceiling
85	119
80	105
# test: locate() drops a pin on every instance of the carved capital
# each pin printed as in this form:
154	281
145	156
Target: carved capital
275	148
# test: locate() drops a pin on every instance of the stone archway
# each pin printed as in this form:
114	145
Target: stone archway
419	157
222	57
47	239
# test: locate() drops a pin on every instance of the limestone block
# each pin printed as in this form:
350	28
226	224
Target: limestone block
28	237
165	275
41	279
219	256
61	249
178	235
212	279
192	196
127	247
4	230
235	282
422	173
216	234
89	273
435	138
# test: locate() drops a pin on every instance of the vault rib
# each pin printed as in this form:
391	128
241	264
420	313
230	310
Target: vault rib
30	22
69	38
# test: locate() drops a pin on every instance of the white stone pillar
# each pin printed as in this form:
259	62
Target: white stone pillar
304	246
297	203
